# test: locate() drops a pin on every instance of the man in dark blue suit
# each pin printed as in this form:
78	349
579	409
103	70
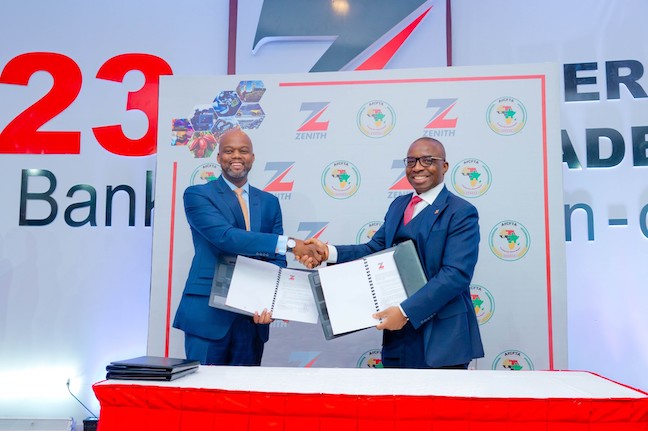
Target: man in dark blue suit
228	216
436	327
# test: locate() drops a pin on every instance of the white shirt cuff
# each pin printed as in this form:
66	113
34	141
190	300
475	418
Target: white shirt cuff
332	254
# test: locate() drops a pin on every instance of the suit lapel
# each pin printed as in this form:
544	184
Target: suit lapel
431	213
228	197
255	210
427	217
394	221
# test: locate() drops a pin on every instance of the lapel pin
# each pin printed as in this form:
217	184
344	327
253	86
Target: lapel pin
436	211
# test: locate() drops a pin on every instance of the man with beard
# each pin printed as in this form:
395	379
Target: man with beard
228	216
436	327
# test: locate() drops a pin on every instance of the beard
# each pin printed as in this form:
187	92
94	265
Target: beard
236	174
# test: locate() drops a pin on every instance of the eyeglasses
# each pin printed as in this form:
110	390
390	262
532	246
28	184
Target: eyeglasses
426	161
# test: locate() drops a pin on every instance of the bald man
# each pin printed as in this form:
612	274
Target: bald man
221	222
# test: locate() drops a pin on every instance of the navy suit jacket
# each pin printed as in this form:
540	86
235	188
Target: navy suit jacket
217	226
447	241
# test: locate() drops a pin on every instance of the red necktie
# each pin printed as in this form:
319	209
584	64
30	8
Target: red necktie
409	211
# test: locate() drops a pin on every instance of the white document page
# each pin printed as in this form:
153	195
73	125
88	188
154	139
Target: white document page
295	300
348	298
386	280
253	288
347	291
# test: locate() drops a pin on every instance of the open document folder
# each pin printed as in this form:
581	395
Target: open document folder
246	285
347	294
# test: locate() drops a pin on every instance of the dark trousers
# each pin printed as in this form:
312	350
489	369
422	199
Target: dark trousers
404	349
240	346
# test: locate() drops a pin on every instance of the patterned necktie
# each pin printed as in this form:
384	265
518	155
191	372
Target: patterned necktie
239	195
409	211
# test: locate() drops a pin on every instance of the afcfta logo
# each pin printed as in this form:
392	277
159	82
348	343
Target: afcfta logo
341	179
471	178
509	240
506	116
376	119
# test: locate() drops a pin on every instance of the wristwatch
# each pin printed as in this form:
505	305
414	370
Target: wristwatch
290	244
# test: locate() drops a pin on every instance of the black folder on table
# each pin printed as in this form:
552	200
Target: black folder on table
410	271
151	368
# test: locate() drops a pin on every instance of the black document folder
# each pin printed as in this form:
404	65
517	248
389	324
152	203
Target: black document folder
221	283
410	272
151	368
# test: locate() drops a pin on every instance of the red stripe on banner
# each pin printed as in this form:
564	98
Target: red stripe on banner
545	168
231	37
408	81
384	54
170	275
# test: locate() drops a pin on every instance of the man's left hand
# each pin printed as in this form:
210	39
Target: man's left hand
264	318
392	319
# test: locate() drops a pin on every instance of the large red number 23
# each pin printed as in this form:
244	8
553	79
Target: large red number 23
22	134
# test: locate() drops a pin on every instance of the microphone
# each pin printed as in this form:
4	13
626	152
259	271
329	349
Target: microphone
90	423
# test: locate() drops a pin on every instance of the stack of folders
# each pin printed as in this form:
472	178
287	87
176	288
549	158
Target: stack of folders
151	368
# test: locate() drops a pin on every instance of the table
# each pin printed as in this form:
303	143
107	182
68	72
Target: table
341	399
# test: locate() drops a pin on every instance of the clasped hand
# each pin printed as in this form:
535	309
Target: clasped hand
310	253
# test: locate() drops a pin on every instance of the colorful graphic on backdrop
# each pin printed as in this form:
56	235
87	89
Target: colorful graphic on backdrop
471	178
483	302
367	231
506	116
229	108
370	359
205	173
376	119
509	240
341	179
181	131
513	360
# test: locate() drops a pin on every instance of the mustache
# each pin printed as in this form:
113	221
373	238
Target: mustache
237	174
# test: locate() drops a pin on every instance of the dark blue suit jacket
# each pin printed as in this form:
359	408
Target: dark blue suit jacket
447	241
217	226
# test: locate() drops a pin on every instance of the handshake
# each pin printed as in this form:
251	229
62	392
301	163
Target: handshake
311	252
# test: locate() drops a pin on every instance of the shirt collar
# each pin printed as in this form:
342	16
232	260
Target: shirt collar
245	187
431	195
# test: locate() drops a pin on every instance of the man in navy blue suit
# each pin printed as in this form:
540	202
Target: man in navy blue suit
436	327
228	216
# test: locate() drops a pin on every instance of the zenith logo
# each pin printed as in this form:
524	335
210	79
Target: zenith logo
442	108
277	183
361	38
401	182
314	228
440	126
313	123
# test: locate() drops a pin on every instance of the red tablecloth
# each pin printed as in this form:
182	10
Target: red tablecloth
239	398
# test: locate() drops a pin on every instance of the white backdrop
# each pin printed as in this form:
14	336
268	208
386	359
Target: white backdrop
73	298
503	127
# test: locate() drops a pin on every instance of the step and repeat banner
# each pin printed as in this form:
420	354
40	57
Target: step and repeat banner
330	146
